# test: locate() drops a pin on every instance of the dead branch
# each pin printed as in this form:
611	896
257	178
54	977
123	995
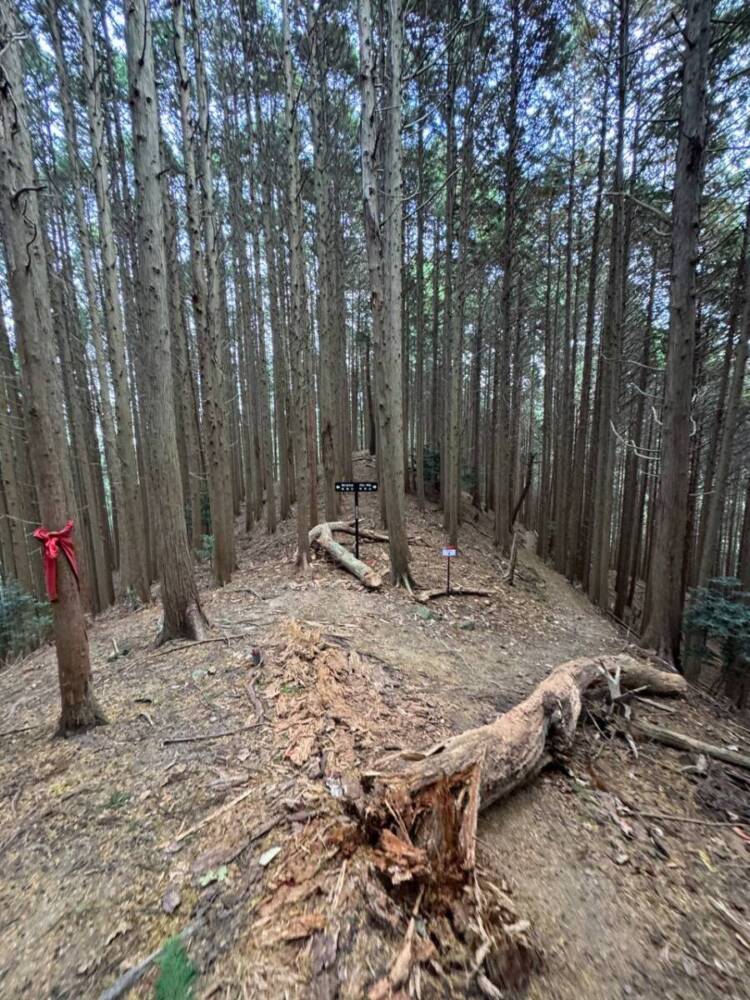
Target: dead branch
209	819
201	642
321	536
511	574
430	595
209	736
678	741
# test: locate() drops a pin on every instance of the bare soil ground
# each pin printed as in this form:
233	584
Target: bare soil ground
114	841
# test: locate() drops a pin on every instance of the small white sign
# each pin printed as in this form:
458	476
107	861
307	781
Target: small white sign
450	553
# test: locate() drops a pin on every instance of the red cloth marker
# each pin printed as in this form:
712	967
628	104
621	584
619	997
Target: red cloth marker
52	543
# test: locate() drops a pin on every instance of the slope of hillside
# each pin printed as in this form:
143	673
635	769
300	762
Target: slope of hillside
212	798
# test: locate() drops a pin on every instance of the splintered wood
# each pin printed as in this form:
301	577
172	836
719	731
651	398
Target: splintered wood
408	884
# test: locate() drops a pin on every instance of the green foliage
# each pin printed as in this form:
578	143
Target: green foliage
117	800
431	467
25	622
177	973
723	621
206	551
205	511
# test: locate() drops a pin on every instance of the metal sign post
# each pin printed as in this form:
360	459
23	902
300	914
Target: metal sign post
449	553
356	488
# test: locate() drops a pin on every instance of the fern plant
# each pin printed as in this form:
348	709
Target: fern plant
177	973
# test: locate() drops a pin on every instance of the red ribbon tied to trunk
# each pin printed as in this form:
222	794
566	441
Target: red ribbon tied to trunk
54	542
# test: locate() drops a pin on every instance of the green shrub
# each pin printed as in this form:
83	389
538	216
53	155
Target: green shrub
716	625
25	622
431	466
206	551
177	973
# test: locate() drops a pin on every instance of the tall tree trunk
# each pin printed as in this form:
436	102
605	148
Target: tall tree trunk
204	269
384	265
716	496
630	483
502	477
179	594
743	560
299	347
132	547
329	349
611	346
577	548
30	297
664	612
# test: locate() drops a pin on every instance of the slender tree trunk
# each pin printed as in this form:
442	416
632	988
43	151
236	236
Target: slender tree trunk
630	484
132	547
664	612
182	611
577	548
716	496
384	265
299	347
743	560
611	347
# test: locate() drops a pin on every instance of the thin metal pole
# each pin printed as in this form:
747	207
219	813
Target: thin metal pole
448	588
356	522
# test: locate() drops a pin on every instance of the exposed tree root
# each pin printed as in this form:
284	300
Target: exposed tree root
83	715
193	626
322	537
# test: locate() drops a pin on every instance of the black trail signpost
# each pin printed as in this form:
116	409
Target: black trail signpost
450	553
356	488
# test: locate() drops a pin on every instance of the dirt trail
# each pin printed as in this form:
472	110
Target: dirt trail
88	827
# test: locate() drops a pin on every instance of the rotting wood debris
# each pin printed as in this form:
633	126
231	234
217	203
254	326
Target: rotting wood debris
403	833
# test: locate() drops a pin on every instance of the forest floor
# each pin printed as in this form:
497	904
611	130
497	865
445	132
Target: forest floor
115	840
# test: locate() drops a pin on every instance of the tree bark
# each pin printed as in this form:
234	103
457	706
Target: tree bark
299	347
30	296
322	537
179	594
664	612
717	493
384	265
481	766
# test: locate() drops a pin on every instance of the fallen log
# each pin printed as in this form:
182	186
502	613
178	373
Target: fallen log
438	796
347	528
321	536
678	741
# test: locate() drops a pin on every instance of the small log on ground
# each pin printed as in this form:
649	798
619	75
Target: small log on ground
430	595
347	528
438	796
678	741
321	536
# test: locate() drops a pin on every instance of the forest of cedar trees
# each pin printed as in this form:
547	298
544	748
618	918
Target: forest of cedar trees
492	255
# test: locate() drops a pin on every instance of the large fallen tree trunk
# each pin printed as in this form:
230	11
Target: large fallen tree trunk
321	536
437	795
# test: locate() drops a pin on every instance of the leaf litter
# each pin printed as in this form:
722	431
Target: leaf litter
89	890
